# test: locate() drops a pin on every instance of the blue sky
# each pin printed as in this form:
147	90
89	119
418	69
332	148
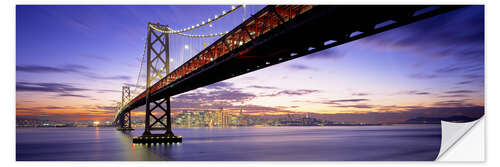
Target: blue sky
71	62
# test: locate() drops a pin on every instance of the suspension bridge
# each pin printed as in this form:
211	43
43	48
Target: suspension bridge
274	34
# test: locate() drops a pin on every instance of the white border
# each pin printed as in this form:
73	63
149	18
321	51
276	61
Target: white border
156	2
7	87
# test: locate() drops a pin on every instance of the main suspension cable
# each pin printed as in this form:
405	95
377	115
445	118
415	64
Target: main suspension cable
203	23
203	36
168	30
137	86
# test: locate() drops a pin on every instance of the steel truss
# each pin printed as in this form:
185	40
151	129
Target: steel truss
158	64
273	35
125	119
280	33
161	122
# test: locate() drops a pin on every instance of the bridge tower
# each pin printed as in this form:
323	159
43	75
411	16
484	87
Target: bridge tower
125	120
158	66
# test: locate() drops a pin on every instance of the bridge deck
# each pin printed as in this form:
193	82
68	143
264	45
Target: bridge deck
277	34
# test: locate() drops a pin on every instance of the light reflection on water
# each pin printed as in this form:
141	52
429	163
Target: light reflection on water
408	142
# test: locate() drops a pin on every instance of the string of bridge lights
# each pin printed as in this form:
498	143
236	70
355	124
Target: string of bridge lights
190	35
203	36
203	23
165	29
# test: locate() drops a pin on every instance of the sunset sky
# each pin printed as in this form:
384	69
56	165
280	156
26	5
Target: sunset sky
71	62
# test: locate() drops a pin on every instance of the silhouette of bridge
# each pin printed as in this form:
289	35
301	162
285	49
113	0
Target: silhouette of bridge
275	34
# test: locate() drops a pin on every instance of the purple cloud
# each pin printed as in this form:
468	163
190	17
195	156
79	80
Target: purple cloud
70	68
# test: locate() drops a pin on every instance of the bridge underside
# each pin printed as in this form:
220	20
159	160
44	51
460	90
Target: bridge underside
320	28
317	29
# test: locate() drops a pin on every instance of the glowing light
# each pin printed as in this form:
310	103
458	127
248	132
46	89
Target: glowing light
210	25
186	46
96	123
171	60
224	13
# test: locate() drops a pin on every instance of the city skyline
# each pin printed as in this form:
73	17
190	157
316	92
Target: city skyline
399	74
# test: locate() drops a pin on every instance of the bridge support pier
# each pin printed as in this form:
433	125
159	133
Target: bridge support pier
125	122
157	54
161	122
125	119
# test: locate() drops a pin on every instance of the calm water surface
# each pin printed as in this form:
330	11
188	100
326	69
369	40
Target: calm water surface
401	142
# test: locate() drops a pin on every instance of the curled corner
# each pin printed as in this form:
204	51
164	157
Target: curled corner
452	132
